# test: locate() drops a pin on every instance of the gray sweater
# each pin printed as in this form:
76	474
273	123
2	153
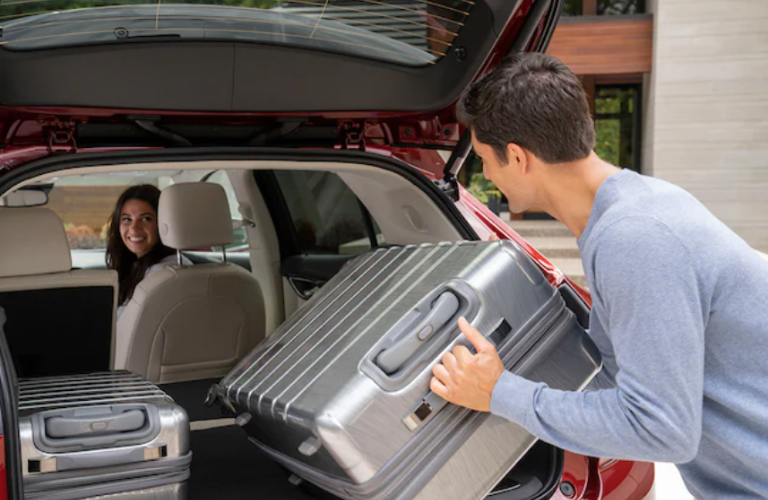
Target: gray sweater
680	315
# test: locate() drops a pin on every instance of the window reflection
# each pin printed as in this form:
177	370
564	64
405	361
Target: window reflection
619	7
602	7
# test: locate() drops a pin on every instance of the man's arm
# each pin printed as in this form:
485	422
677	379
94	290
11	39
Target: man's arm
648	283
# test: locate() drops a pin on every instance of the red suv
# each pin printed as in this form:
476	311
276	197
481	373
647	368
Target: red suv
321	106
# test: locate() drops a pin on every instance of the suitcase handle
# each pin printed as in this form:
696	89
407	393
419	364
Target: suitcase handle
432	403
443	309
88	425
86	428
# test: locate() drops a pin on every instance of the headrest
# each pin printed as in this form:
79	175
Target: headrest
194	215
32	242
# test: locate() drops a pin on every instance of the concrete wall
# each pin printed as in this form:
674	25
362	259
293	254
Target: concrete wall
707	107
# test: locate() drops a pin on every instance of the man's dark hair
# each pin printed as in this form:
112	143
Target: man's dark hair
534	101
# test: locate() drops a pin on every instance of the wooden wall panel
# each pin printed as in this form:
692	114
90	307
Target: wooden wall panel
604	44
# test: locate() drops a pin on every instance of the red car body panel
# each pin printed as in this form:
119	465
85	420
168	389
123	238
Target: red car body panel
3	480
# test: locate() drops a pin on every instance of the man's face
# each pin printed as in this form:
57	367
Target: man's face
507	176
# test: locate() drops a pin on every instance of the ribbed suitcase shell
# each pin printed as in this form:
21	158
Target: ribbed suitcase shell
322	408
164	455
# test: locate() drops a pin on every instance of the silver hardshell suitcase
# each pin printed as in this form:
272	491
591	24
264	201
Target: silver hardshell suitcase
339	394
104	434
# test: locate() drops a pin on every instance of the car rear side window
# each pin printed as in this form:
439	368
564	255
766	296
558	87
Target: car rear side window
327	217
85	204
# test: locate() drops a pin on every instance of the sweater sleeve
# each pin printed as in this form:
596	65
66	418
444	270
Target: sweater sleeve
648	286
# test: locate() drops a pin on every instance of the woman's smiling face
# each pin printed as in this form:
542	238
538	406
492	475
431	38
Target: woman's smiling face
138	227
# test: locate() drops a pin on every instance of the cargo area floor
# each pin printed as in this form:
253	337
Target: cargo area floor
225	466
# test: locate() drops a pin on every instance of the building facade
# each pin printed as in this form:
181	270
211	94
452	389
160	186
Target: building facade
679	91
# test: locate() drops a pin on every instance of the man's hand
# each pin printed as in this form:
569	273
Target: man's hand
466	379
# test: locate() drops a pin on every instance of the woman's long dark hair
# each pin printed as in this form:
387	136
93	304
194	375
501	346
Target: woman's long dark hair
130	269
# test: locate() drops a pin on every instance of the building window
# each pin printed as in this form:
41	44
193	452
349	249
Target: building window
617	124
572	8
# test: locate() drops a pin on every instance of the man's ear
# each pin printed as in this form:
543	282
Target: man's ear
518	158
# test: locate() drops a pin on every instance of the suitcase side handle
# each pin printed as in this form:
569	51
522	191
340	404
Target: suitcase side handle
95	427
443	309
86	425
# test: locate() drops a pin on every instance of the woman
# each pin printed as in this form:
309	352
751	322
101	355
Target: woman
134	248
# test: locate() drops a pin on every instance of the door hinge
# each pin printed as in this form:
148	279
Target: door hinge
448	185
353	135
60	135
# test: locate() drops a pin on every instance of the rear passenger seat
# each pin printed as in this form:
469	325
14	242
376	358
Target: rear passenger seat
191	323
59	321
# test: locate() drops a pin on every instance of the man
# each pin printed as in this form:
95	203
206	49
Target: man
680	303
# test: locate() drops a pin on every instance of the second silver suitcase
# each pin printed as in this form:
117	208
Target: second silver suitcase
100	434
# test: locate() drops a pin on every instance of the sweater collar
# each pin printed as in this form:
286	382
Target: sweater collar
608	192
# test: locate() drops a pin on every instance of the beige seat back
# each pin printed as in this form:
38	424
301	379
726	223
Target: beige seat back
188	323
59	320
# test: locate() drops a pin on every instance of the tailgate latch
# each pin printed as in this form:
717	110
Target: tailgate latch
60	135
353	135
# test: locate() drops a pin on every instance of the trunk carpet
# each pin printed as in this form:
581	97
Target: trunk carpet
225	466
